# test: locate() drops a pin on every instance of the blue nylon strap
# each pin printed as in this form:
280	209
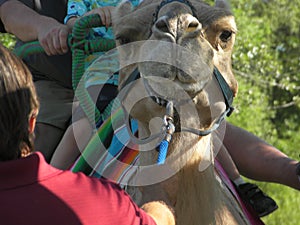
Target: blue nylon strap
162	153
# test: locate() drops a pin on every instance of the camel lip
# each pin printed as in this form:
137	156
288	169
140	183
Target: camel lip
157	98
162	100
194	88
191	88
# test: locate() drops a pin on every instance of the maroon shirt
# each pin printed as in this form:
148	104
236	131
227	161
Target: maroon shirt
33	192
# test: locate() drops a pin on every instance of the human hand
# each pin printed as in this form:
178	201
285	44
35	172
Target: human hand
160	212
53	37
105	14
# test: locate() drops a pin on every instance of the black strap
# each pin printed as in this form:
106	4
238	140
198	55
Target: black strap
186	2
227	92
133	76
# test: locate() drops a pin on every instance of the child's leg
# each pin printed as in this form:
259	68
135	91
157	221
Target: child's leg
226	161
79	133
228	165
74	140
250	193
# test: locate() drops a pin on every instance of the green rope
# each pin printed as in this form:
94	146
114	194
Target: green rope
29	48
80	47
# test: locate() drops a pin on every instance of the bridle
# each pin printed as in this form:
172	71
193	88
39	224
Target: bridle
165	2
168	128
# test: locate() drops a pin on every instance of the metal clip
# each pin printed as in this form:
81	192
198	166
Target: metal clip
170	109
170	129
168	121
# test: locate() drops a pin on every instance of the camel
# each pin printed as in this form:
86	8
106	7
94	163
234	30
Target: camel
177	47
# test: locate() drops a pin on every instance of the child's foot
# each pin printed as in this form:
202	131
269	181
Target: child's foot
261	203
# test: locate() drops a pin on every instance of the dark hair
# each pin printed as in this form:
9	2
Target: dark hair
18	102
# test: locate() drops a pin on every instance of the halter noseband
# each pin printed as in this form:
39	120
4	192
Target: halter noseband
226	91
165	2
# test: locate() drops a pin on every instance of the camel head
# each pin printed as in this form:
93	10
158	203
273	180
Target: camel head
185	41
176	46
206	32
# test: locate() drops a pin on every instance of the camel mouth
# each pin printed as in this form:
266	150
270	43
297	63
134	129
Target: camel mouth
172	83
189	68
193	88
163	90
184	70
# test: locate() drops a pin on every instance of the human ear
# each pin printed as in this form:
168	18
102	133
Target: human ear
32	121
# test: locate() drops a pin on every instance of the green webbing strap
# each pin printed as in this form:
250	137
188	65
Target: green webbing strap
80	47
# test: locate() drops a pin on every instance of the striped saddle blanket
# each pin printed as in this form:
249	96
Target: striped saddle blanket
110	152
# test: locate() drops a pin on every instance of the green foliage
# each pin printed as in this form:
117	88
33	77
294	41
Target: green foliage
7	40
266	61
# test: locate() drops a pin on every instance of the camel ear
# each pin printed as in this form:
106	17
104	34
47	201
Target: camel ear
123	9
120	12
222	4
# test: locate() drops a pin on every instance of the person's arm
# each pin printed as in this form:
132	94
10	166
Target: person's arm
258	160
28	25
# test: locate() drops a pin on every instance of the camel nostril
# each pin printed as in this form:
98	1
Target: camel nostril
194	25
162	25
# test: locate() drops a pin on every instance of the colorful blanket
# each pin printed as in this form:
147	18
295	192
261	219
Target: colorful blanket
110	153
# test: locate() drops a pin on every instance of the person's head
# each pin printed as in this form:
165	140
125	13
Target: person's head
18	107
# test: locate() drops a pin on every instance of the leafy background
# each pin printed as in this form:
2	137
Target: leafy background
266	62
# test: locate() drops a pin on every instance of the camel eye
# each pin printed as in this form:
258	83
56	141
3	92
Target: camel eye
226	35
